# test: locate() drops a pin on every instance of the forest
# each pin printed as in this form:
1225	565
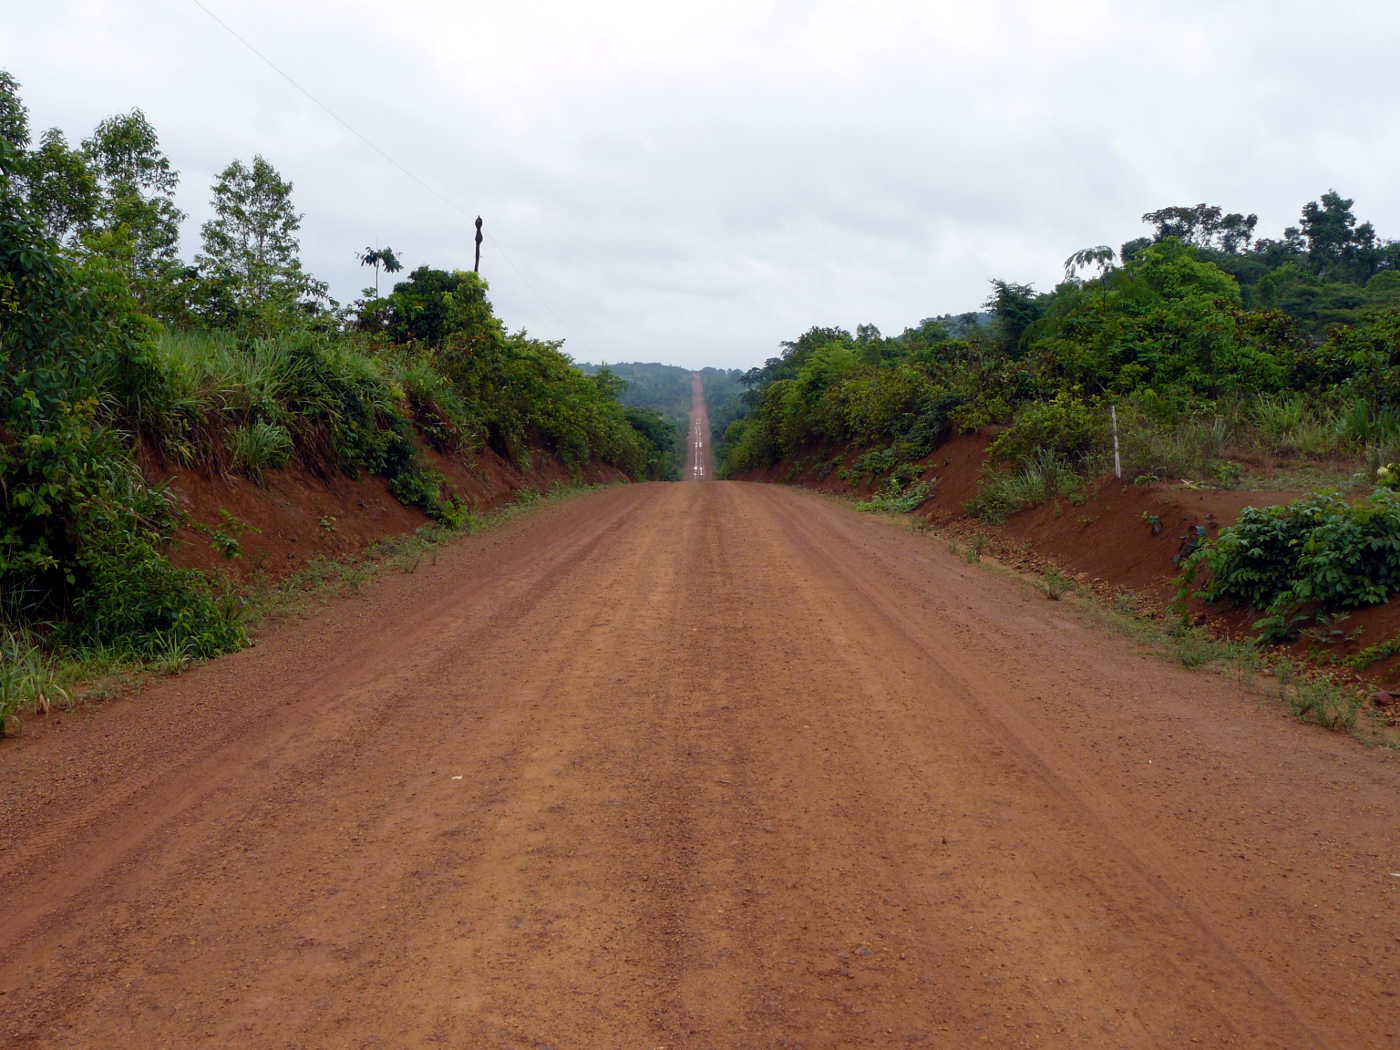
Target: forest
1208	344
665	390
118	351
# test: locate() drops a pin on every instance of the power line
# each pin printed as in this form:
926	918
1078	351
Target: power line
454	205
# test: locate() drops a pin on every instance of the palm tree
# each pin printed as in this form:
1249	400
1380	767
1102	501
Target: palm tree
378	257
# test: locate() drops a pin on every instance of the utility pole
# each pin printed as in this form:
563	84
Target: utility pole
476	266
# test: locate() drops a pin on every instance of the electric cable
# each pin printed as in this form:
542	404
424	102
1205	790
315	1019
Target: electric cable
383	153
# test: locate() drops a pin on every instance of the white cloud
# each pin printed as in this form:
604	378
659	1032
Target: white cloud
697	183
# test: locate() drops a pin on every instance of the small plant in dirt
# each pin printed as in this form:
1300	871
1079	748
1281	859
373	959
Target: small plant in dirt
27	679
1055	584
1195	646
1375	653
976	547
1318	698
1329	629
224	536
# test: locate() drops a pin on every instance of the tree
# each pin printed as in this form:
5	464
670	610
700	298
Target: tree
1204	226
1102	257
14	117
136	222
378	257
63	190
251	252
1337	246
1015	308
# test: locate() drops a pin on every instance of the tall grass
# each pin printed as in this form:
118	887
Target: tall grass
27	678
1043	478
1293	424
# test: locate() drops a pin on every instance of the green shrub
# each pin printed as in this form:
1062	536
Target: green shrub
82	532
1064	427
1318	553
899	497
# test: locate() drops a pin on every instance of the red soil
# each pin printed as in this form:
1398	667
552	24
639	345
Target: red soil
296	517
1123	537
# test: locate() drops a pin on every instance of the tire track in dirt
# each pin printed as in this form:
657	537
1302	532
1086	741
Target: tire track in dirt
738	767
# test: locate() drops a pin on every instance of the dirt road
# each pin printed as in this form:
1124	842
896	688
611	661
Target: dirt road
698	460
682	766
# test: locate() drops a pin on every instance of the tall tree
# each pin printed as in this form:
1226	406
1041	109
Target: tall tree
137	223
1337	246
378	257
63	190
1015	308
14	117
1204	226
1100	257
251	254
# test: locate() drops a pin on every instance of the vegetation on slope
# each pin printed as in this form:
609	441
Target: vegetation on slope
237	362
1204	341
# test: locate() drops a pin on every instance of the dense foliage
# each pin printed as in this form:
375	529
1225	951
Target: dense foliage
1201	337
1320	554
237	363
1174	328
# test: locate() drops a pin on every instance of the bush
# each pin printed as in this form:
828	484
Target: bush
1318	553
82	532
899	497
1064	427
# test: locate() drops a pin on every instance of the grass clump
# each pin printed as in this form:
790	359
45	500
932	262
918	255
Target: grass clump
258	447
1044	477
898	497
28	679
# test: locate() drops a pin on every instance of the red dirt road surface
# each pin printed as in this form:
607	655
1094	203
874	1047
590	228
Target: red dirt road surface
722	765
698	459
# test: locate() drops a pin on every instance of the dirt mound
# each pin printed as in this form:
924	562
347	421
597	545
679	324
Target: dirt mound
243	530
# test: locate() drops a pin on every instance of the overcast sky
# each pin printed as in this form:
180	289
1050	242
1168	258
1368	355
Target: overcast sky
693	183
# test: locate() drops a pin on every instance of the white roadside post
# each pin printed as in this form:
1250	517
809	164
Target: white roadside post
1117	462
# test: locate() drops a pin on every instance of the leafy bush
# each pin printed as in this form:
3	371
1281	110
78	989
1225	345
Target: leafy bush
1064	427
1320	553
899	497
82	532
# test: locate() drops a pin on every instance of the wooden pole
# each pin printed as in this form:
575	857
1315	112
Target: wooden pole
476	266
